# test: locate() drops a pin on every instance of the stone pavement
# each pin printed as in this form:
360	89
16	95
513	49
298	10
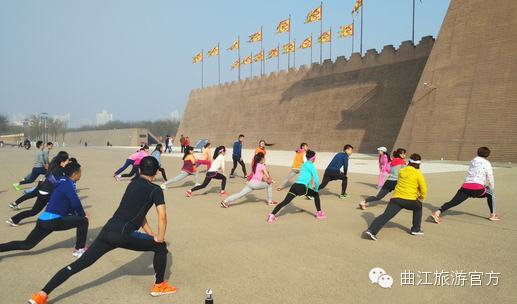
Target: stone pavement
297	259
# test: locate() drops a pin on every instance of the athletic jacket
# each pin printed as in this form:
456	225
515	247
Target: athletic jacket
308	172
410	185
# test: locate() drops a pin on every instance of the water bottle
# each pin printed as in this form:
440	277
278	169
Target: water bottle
209	299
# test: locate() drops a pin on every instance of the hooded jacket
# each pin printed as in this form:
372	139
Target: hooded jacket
410	185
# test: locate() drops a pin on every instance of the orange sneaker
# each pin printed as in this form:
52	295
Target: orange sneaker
223	193
494	217
162	289
436	218
38	299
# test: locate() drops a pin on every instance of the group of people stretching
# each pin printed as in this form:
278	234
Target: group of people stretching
64	211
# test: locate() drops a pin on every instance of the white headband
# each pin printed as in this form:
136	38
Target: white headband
414	161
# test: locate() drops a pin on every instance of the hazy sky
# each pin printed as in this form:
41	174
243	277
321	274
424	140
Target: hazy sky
134	58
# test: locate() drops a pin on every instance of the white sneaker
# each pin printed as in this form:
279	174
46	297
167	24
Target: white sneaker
10	222
163	187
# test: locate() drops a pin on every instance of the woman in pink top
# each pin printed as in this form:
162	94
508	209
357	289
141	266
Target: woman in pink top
141	154
255	181
205	157
129	161
384	165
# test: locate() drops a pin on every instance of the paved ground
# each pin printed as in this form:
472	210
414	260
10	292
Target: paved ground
297	259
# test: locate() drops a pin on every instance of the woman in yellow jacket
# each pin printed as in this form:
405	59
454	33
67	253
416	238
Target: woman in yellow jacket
409	194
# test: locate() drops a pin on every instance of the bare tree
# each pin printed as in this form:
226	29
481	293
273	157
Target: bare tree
34	126
54	127
63	128
4	123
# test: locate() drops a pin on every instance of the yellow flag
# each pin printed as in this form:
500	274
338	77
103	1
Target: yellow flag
307	43
247	60
325	37
273	53
314	15
197	58
289	48
346	31
236	64
235	45
283	27
358	4
213	52
256	37
259	57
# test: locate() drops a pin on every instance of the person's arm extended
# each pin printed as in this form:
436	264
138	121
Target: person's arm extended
162	223
147	228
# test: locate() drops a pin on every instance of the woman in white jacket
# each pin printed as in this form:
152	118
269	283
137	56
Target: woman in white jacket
478	183
216	171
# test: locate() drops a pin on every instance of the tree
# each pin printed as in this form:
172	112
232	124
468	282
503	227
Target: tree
34	126
63	128
4	123
54	128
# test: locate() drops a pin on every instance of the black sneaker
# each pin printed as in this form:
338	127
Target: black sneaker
370	235
231	176
420	232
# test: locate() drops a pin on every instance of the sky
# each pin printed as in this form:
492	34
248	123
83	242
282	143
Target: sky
134	58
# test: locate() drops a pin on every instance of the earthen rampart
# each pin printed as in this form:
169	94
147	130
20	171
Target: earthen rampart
360	100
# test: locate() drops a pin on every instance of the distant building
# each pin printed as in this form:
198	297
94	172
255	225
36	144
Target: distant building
104	117
174	116
18	119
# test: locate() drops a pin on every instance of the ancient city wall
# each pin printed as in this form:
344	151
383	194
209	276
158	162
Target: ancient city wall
471	97
361	101
121	137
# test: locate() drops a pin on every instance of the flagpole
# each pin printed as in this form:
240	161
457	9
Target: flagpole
239	50
330	43
413	36
251	66
294	53
288	54
202	67
362	4
261	39
353	34
312	42
264	60
219	63
321	30
278	67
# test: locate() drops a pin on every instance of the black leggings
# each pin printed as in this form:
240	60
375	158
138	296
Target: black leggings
134	170
394	207
209	176
27	196
297	190
388	186
236	160
40	203
44	228
463	194
331	175
162	170
107	241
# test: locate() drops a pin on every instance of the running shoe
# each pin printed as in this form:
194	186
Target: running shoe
370	235
436	218
25	192
362	205
378	187
38	299
420	232
231	176
79	252
225	205
116	177
279	188
189	193
17	187
14	207
271	203
320	215
163	187
129	181
162	289
494	217
271	218
309	197
344	196
224	193
245	175
197	184
10	222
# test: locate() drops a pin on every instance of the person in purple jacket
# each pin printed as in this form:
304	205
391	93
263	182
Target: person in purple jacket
64	211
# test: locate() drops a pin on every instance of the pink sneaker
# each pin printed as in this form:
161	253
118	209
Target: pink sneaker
189	193
320	215
271	203
271	218
116	177
225	205
494	217
224	193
